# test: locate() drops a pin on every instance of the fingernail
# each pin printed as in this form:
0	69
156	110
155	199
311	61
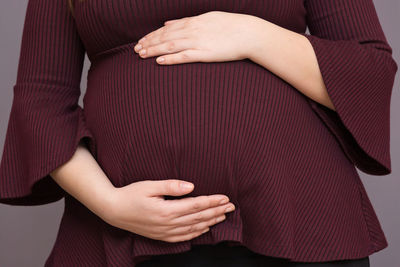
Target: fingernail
186	185
223	200
230	208
138	47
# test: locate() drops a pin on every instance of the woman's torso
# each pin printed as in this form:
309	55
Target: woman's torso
231	128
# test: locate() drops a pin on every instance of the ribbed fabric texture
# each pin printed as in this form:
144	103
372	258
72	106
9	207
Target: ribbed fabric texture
285	161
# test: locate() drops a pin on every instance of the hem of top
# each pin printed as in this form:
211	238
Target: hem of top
373	242
372	249
29	196
282	253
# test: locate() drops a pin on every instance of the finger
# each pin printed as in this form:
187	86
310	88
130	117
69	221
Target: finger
189	205
167	47
163	32
203	215
184	56
167	187
186	237
168	22
187	229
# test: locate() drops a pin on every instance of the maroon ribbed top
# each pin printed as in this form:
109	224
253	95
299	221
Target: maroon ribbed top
286	162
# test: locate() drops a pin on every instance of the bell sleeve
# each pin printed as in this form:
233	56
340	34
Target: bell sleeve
46	124
358	71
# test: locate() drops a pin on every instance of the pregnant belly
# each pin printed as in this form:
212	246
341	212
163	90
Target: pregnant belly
221	125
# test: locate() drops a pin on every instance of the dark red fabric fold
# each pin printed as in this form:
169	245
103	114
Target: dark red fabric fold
358	70
45	123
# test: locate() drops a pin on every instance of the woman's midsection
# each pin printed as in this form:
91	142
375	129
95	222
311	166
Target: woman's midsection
220	125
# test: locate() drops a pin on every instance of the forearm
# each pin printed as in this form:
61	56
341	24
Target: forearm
83	178
290	56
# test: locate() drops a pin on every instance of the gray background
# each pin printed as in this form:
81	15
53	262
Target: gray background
27	234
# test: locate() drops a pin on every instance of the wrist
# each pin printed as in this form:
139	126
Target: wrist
102	199
258	37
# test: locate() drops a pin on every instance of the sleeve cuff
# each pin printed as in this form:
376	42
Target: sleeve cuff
359	82
39	138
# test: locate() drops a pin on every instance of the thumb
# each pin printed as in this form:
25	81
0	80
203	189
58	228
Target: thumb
173	187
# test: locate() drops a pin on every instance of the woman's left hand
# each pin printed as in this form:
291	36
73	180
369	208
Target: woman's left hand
213	36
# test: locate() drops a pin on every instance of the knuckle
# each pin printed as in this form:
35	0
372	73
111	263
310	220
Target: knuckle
199	217
222	209
196	206
171	185
206	224
171	46
191	228
149	51
215	213
163	35
185	56
165	213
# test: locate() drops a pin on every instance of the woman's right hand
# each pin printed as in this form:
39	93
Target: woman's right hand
141	208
